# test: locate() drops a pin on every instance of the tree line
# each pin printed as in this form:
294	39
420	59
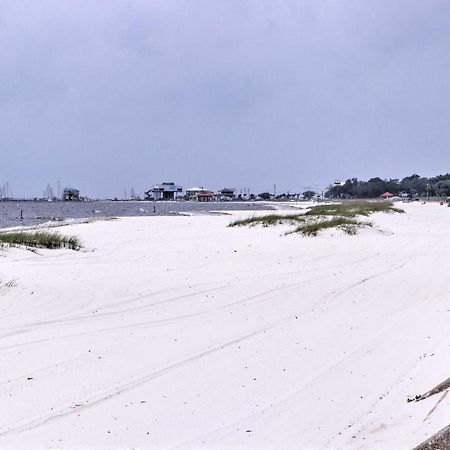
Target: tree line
411	186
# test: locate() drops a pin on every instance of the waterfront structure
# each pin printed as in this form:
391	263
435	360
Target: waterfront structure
199	194
192	192
205	196
227	194
164	191
71	194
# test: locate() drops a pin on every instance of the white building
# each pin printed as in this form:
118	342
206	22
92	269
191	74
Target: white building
164	191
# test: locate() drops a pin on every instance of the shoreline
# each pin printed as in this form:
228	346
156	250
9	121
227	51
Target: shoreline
41	212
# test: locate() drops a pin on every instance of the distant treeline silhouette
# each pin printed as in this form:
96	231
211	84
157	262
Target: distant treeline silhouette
412	186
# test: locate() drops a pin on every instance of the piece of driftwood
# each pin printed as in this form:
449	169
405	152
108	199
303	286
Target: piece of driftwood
436	390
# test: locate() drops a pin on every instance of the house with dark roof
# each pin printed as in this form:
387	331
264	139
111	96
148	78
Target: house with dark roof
164	191
71	194
227	194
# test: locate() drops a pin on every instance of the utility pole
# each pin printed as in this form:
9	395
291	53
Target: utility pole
428	192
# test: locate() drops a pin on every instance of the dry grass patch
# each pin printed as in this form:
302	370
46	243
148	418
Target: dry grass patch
348	226
353	209
268	220
342	216
39	239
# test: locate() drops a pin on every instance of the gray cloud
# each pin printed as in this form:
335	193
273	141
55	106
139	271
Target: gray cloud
109	94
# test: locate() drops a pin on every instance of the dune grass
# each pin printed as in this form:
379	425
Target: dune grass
336	215
269	219
347	225
353	209
39	239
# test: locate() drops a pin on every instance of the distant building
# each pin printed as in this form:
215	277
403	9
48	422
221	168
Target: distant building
205	196
164	191
199	194
71	194
192	193
386	195
227	194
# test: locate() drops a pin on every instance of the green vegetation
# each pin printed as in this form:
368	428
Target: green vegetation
39	239
413	186
269	219
308	195
264	196
339	215
352	209
348	226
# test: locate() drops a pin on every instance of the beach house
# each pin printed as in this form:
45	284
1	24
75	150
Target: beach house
164	191
199	194
227	194
192	192
205	196
71	194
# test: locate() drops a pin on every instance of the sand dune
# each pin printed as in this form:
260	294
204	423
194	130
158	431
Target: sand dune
178	332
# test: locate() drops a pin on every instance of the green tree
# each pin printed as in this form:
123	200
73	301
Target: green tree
264	195
309	194
414	185
442	188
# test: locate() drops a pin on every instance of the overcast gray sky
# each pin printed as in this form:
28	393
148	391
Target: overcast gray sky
105	95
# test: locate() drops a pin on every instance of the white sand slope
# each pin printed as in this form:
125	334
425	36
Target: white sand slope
178	332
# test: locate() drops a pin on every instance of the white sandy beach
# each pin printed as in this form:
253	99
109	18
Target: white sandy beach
178	332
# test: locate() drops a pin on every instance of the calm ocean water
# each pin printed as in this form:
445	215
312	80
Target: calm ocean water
34	213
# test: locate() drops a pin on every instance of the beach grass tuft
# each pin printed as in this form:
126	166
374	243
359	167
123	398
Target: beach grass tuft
335	215
347	225
39	239
268	220
353	209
